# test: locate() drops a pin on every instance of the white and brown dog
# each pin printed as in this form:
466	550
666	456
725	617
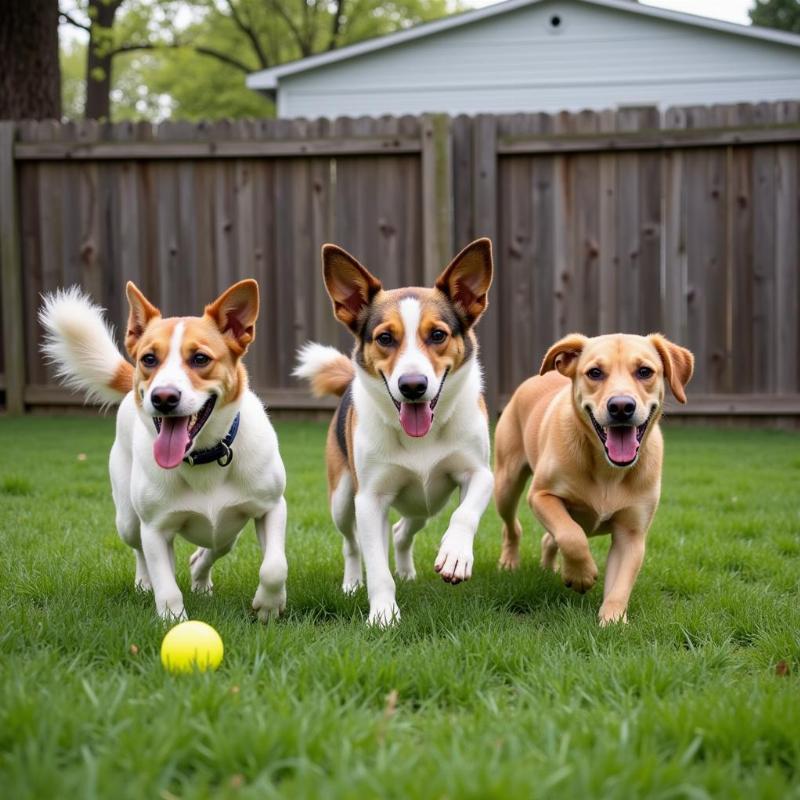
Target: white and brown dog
195	453
411	425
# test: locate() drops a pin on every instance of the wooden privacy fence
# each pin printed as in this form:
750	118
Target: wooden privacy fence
684	221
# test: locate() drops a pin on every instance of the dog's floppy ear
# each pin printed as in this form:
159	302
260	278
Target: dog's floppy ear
235	312
141	312
351	287
563	355
678	364
467	279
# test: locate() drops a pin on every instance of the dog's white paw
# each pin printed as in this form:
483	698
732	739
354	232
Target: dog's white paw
143	584
383	613
404	565
351	586
172	611
454	562
269	604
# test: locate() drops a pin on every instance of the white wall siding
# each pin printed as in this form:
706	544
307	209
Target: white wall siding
596	58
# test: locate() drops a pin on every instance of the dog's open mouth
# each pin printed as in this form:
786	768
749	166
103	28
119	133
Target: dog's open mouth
416	419
621	442
176	434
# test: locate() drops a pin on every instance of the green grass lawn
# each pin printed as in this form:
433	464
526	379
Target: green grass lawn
500	687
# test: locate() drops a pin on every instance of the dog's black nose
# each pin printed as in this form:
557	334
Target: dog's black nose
165	399
412	387
621	408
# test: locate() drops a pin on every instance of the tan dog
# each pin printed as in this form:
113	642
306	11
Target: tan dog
587	427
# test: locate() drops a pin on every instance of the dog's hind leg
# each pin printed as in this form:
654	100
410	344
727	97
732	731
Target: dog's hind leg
549	552
343	512
403	533
200	564
127	521
128	530
511	473
510	480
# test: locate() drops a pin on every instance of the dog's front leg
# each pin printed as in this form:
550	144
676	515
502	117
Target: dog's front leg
578	571
625	559
270	599
372	524
454	561
159	556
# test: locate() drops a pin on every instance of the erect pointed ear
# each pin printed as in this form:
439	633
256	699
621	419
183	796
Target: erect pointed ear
467	279
141	312
235	312
563	355
678	364
351	287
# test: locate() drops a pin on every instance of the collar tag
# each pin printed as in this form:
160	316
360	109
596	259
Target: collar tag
222	452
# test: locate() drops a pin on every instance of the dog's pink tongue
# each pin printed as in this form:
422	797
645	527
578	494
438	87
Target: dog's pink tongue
416	418
622	444
170	445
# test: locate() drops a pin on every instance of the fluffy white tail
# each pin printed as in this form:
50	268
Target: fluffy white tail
328	370
79	342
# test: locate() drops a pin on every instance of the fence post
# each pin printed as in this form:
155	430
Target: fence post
11	276
437	194
484	215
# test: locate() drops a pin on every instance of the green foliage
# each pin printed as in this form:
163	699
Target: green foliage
781	14
73	79
502	687
195	55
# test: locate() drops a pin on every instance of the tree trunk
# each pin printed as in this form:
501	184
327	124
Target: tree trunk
99	58
30	73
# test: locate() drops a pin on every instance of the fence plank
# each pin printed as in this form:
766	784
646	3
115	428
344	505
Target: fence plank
483	208
437	194
10	261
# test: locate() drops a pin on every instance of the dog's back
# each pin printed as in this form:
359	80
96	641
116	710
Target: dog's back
519	426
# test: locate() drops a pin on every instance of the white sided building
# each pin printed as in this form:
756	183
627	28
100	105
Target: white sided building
542	55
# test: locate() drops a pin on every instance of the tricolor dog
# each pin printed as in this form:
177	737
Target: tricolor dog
411	425
587	427
195	453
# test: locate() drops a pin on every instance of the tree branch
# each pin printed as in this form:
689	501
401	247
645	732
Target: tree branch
298	36
336	25
72	21
223	57
248	31
130	48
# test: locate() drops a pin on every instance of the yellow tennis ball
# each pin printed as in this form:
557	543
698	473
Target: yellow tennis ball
191	646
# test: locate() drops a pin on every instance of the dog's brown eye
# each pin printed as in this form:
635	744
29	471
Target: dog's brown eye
595	373
437	336
385	339
200	360
644	373
148	360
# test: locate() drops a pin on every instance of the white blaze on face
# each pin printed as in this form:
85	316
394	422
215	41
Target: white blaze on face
413	360
173	373
416	417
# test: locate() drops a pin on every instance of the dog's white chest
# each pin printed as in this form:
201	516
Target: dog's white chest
423	495
210	518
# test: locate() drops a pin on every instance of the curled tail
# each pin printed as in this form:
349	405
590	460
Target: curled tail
328	370
79	342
